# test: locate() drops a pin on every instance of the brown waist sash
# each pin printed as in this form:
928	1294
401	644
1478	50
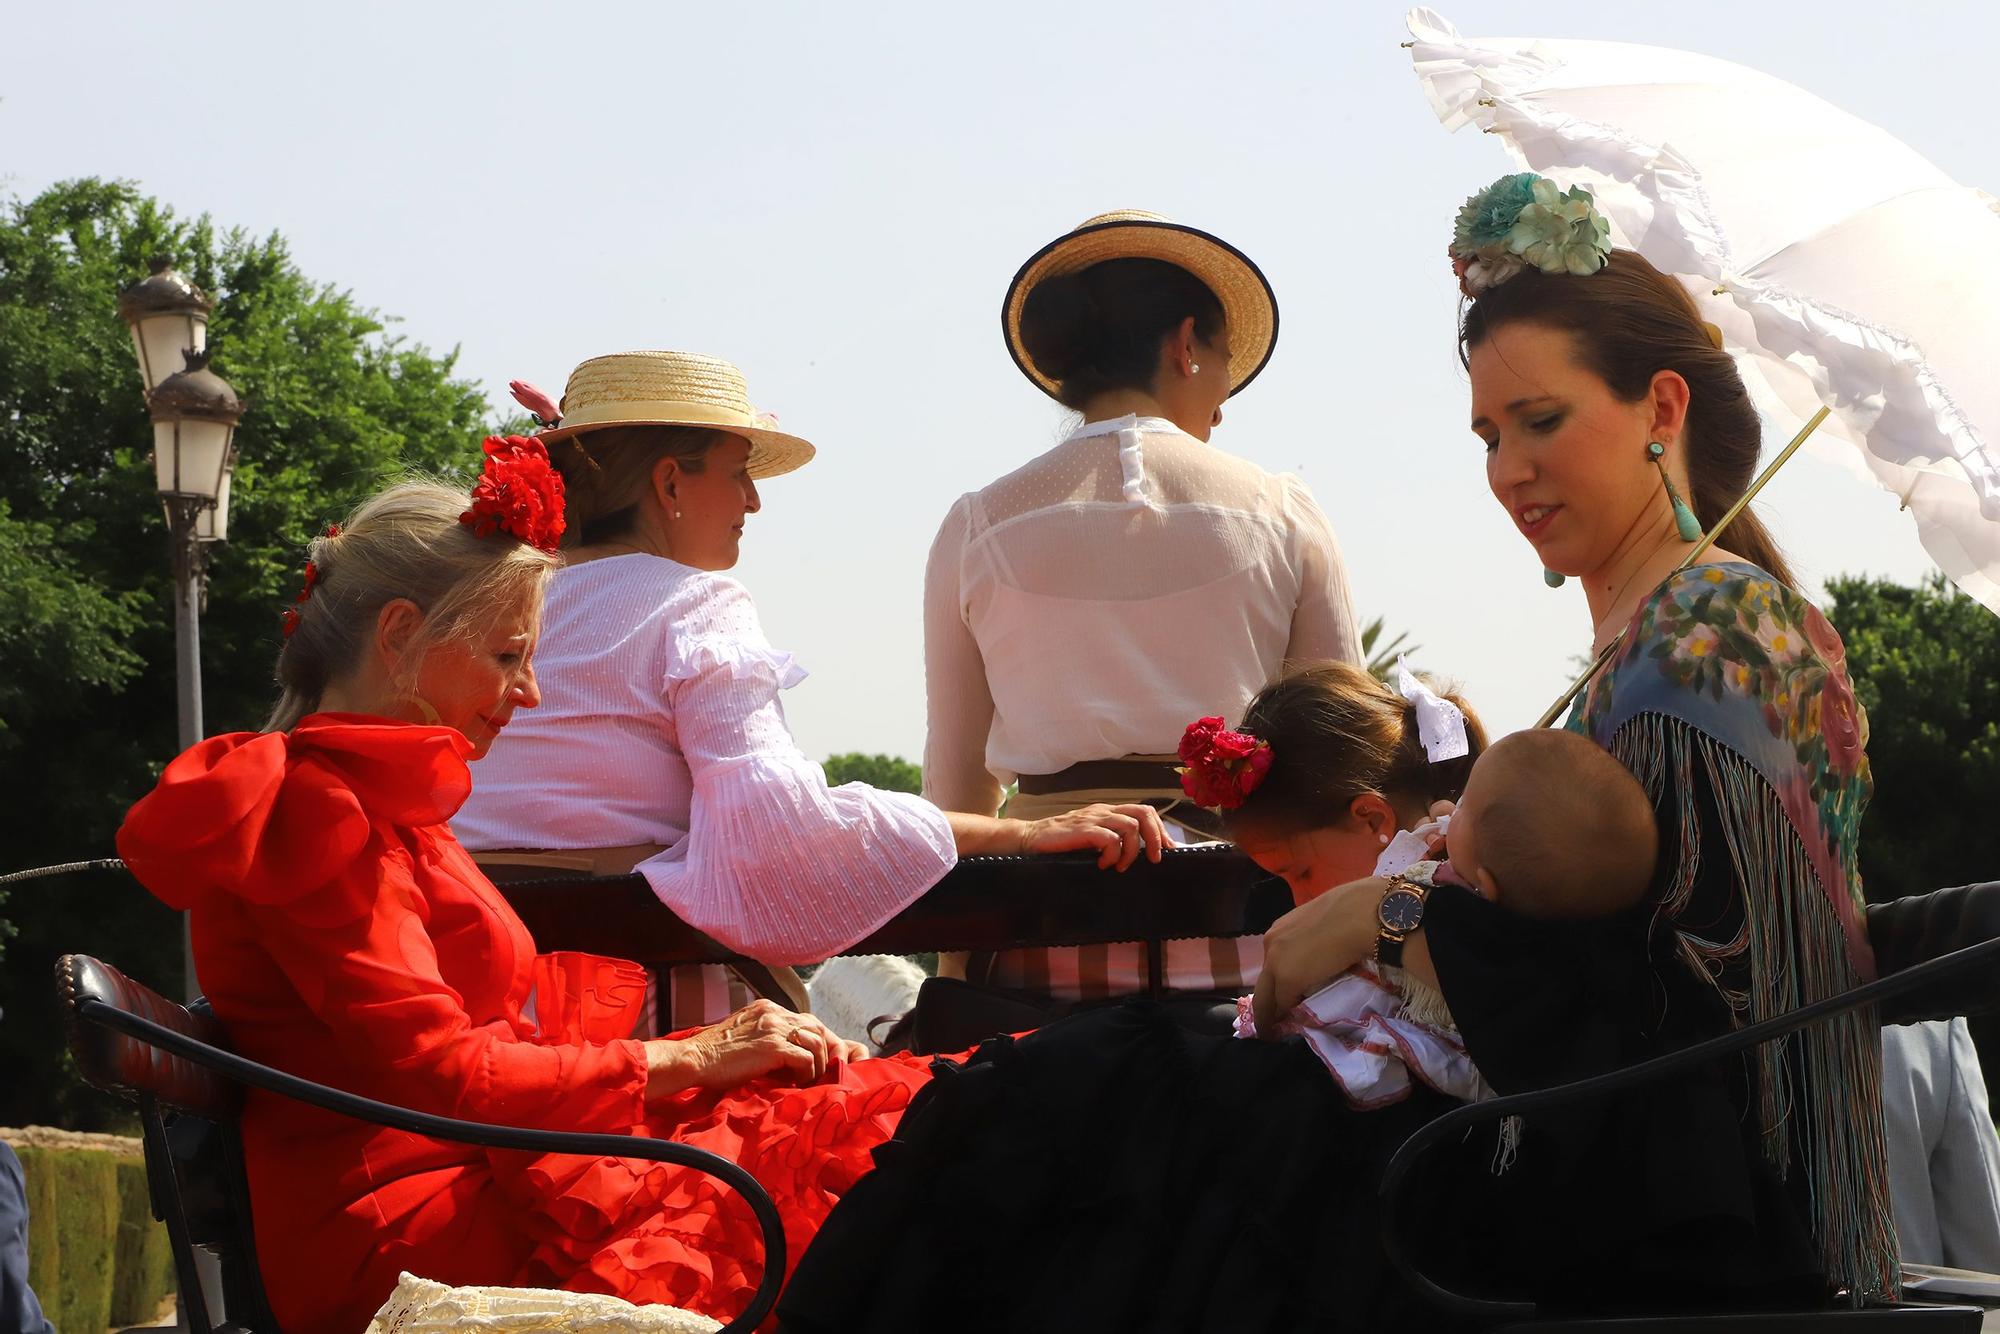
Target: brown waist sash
1135	773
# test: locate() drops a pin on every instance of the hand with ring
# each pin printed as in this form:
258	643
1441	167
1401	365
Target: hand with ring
761	1038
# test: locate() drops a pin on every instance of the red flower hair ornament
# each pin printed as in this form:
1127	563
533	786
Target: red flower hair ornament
291	617
1223	767
518	493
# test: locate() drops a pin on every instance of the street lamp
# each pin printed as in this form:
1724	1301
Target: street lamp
168	316
194	427
194	415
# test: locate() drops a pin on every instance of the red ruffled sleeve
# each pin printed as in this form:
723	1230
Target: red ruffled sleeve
587	997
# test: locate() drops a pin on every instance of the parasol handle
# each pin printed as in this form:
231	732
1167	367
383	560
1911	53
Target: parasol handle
1707	541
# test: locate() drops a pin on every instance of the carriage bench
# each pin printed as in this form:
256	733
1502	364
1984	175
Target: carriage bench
1940	954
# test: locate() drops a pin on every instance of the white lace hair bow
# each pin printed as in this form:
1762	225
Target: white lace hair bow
1440	723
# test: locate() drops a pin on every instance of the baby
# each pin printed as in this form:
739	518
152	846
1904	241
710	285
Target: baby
1549	826
1552	827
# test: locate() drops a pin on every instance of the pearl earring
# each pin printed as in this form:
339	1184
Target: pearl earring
1383	839
677	514
1193	369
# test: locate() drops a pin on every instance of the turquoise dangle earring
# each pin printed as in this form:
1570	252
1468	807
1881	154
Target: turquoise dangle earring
1685	523
1553	578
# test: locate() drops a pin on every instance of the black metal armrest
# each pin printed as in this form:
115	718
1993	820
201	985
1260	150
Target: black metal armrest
1914	980
1926	926
473	1132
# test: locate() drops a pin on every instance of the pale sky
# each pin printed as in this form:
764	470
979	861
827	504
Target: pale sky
834	197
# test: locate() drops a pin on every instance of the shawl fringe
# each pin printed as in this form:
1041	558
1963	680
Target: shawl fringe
1790	950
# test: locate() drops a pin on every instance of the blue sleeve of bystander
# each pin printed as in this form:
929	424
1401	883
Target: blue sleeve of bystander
20	1313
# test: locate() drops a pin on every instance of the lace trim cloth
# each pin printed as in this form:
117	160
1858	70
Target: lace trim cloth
1726	675
420	1306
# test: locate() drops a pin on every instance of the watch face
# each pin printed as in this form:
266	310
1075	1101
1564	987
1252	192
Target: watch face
1402	910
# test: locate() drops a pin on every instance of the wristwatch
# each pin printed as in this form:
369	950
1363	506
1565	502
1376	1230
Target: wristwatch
1401	912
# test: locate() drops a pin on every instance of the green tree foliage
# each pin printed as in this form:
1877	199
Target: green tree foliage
87	705
1381	659
1926	666
884	771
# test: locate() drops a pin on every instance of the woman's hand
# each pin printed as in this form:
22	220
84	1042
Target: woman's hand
1118	834
1315	943
761	1037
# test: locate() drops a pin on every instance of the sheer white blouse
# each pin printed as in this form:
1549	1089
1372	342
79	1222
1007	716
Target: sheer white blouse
660	723
1094	602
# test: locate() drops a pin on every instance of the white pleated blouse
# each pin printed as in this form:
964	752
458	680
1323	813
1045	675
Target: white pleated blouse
660	723
1095	601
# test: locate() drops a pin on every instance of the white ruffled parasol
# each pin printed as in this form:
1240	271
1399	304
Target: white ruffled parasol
1842	267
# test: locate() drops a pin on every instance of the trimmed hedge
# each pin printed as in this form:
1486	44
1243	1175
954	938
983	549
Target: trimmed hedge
96	1256
142	1271
87	1222
44	1254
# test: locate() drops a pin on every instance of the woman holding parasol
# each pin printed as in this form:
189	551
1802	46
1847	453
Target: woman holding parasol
1616	432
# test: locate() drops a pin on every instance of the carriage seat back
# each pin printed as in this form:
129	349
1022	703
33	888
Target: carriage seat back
128	1067
188	1115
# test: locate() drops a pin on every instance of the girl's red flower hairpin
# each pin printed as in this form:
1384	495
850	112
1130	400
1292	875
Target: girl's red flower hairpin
518	493
1223	767
291	620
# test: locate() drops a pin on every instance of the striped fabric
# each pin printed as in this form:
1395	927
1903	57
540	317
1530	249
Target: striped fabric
701	995
1095	972
660	723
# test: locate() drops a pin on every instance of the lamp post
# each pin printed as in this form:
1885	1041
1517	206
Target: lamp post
194	424
194	414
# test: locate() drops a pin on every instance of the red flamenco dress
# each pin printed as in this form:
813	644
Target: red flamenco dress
342	934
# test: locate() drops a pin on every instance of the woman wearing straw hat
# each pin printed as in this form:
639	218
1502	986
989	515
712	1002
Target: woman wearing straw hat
660	745
1079	610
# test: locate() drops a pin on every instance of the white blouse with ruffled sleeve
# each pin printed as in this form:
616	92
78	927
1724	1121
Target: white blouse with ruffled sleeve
660	723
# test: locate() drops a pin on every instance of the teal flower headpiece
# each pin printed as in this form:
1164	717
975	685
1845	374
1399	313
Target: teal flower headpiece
1521	220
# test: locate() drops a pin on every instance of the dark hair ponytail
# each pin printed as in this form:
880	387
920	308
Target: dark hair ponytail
1629	322
1100	328
1335	732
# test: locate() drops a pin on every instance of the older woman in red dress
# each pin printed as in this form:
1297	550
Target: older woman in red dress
342	934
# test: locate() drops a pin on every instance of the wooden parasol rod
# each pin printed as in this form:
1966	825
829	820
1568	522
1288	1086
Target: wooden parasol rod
1707	541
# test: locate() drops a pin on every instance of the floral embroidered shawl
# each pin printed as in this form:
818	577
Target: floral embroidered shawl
1727	679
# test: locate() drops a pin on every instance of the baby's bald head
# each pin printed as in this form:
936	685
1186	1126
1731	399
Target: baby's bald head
1554	827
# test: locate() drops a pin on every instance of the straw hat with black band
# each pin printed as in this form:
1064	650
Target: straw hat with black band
674	389
1249	307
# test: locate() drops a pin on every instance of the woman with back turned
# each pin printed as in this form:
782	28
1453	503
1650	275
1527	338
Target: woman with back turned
1064	603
